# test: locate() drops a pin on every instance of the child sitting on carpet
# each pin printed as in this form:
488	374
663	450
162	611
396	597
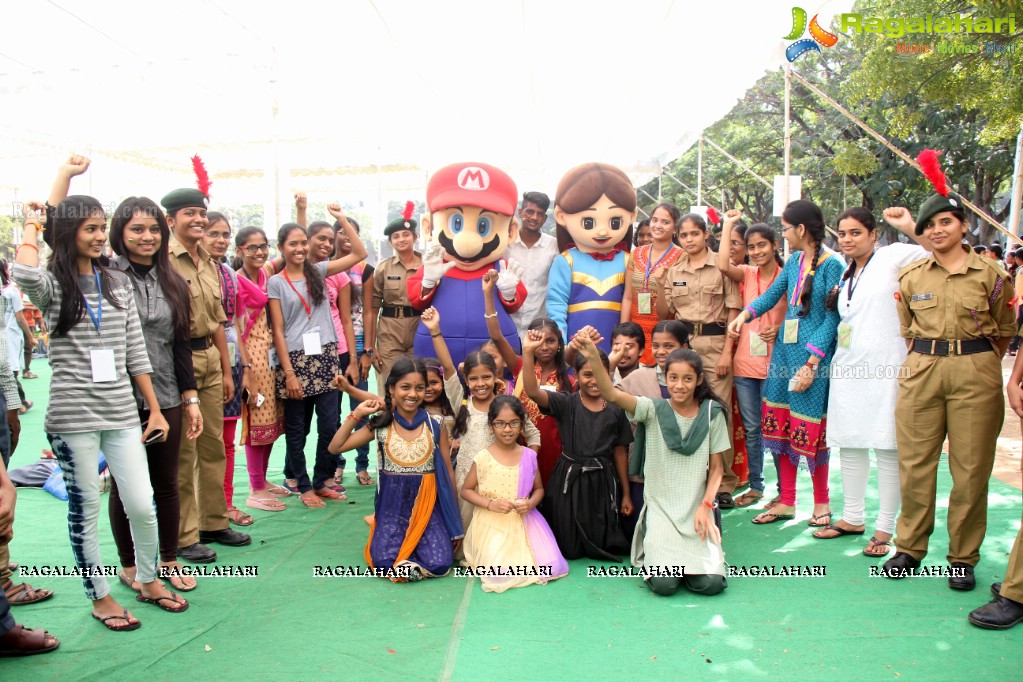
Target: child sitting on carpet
679	446
590	478
504	485
471	428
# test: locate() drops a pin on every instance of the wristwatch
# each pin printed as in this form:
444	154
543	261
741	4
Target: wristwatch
192	401
369	352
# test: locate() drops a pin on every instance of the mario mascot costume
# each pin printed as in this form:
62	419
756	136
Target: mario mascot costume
470	225
594	209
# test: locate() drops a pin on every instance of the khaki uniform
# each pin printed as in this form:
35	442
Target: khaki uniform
1012	585
396	329
958	395
201	462
701	296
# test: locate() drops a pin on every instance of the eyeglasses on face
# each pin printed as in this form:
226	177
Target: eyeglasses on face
507	425
253	248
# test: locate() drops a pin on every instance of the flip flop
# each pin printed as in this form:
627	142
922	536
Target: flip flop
818	517
22	641
772	518
127	582
330	494
180	587
364	478
279	490
128	625
874	542
313	502
158	601
265	504
774	501
748	498
838	529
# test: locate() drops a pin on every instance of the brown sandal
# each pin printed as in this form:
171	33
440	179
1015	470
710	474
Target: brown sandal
748	498
238	517
364	478
776	500
22	641
19	595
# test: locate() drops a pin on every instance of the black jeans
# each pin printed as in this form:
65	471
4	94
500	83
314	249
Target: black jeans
298	418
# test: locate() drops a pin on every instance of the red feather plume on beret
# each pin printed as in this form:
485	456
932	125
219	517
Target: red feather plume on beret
202	178
407	213
712	216
928	160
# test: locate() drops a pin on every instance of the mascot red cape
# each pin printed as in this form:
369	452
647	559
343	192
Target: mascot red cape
470	226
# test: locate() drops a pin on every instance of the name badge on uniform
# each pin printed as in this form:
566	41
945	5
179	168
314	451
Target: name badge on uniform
844	335
271	359
791	334
311	342
643	302
679	284
103	368
922	297
394	277
232	350
757	346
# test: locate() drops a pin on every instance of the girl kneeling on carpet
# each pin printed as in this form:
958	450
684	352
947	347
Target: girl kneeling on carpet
91	403
417	525
679	449
589	486
504	486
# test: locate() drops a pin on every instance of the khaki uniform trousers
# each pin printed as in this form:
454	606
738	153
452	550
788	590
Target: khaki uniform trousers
710	349
961	396
201	462
1012	586
395	338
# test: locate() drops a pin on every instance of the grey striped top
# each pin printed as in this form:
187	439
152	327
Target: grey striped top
77	404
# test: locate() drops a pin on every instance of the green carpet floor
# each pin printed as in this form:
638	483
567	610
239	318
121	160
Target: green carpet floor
287	624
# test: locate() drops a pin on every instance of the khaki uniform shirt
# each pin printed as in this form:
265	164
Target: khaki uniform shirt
389	281
203	286
937	304
702	294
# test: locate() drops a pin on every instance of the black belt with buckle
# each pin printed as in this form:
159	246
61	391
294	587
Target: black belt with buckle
952	346
399	311
201	343
707	328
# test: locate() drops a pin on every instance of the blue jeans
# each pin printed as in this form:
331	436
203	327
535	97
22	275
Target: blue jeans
750	394
298	419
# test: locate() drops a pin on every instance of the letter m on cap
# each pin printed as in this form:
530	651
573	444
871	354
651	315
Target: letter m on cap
473	178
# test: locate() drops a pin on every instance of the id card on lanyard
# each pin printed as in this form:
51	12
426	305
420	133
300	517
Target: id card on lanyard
311	339
104	369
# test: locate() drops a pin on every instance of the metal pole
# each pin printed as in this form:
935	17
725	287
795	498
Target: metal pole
699	173
740	164
1017	187
684	185
660	194
788	142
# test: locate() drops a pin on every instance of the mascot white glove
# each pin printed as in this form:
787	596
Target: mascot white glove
508	279
434	266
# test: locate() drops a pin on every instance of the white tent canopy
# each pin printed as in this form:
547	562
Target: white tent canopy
362	99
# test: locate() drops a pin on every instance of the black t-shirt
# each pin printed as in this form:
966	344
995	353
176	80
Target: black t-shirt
585	433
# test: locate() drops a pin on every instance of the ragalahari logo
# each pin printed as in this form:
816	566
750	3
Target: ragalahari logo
818	36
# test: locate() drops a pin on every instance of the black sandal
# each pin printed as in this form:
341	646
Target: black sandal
128	625
838	529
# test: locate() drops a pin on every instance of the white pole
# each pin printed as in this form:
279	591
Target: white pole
1017	187
699	173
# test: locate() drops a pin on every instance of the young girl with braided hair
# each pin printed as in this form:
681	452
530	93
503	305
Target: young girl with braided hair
794	413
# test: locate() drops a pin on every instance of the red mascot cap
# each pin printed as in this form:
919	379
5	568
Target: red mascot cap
472	184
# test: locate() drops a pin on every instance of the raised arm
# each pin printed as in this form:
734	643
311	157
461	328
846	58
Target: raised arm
345	440
358	248
508	354
75	165
584	344
534	337
301	204
725	264
431	320
902	220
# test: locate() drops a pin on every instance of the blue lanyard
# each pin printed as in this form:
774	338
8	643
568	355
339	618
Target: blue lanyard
97	317
649	267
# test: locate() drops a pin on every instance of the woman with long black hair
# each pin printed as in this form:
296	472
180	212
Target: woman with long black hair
141	239
97	342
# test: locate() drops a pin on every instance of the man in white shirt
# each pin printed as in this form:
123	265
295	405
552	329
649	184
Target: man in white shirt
536	252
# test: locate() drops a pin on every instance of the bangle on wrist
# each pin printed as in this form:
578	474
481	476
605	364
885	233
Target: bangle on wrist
288	371
435	335
708	505
494	314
